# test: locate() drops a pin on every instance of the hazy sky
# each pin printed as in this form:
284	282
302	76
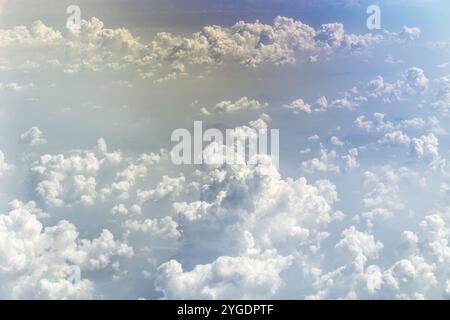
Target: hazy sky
358	207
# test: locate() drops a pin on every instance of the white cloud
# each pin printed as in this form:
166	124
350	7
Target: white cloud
241	104
33	137
350	161
253	277
325	163
168	186
35	261
94	47
15	87
358	247
136	170
298	106
442	100
410	33
394	138
425	147
336	142
383	187
68	179
5	168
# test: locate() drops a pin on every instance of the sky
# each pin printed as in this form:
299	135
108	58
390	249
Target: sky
92	205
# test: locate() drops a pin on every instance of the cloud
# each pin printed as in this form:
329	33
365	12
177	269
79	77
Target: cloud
254	277
358	246
425	147
442	99
383	187
35	261
411	83
298	106
336	142
395	138
15	87
168	186
33	137
380	124
241	104
339	220
136	170
93	47
325	163
68	179
350	161
246	222
410	33
5	168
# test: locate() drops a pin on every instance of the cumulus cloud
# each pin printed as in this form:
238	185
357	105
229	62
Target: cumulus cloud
168	186
411	82
254	277
5	168
33	137
410	33
336	141
442	99
350	159
95	47
241	104
35	261
383	187
425	147
325	163
298	106
394	138
344	222
379	124
15	87
330	161
358	246
67	179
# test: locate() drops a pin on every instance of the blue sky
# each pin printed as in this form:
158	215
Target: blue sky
357	209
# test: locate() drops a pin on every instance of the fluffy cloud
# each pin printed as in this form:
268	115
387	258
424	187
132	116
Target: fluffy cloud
94	47
4	166
330	161
241	104
358	247
425	147
442	100
410	33
168	186
15	87
341	218
247	216
325	163
380	124
136	170
298	106
395	137
412	82
383	186
68	179
35	261
253	277
33	137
